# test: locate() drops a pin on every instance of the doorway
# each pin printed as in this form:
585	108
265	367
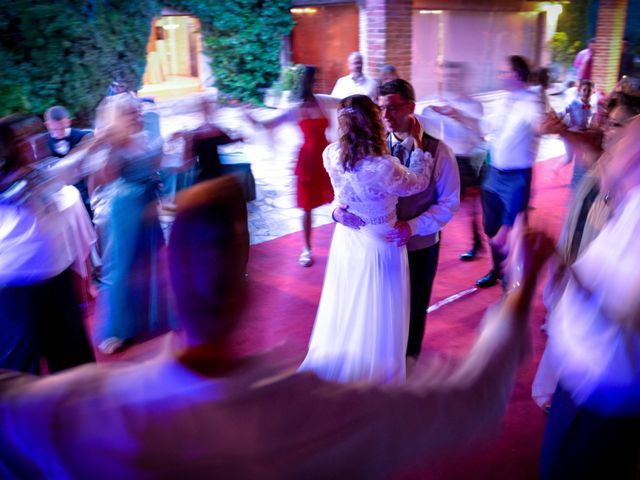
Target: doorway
173	51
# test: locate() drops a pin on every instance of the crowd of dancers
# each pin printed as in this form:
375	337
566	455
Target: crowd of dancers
79	209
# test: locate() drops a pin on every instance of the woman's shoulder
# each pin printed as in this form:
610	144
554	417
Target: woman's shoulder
384	159
332	151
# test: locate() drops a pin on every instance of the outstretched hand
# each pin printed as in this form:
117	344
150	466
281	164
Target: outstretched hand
528	251
552	124
416	133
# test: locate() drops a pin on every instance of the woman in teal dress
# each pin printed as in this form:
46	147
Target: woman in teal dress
132	301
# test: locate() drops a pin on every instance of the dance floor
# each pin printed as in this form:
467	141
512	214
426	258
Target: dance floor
284	298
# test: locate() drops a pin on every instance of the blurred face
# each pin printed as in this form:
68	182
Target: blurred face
397	113
387	77
132	119
618	118
127	123
619	165
57	128
508	78
355	65
585	92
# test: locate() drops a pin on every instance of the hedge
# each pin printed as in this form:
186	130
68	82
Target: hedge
67	52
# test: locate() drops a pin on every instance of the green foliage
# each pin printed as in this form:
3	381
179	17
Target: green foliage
574	22
243	39
561	51
67	52
290	78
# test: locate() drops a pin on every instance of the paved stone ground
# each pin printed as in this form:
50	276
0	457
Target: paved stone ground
273	155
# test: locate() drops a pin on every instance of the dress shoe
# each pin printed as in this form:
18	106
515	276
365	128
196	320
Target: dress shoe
469	254
489	280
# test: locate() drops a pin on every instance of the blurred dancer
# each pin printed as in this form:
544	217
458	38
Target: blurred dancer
588	212
131	301
312	181
593	430
356	82
201	144
178	414
456	120
513	141
39	309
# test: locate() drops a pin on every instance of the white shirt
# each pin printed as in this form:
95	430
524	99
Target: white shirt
512	137
363	85
32	244
159	419
594	350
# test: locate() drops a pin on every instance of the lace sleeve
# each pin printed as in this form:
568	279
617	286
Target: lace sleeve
403	181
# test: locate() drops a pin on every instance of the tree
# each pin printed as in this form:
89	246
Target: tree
562	52
243	38
67	52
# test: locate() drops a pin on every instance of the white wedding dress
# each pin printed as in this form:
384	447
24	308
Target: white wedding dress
362	324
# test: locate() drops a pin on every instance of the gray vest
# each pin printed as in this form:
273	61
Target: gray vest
414	205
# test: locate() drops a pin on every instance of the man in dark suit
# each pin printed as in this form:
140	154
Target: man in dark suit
421	217
62	138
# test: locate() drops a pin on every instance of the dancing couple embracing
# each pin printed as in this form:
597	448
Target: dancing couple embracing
393	194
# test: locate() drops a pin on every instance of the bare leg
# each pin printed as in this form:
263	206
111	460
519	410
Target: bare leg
306	260
306	226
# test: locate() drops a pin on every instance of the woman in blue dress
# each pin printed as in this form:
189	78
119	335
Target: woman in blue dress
132	300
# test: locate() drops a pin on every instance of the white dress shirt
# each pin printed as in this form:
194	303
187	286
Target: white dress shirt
160	420
363	85
513	136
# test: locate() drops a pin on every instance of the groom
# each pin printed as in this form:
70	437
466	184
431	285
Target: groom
420	216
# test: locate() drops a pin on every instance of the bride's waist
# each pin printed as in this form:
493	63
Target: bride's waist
384	219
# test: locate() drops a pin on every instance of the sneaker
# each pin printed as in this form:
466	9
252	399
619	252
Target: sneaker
305	260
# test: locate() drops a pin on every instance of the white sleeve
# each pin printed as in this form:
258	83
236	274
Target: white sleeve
402	181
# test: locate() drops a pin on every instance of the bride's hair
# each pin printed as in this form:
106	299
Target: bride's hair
361	130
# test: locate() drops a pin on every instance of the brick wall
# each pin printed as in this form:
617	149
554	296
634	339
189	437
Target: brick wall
325	39
385	35
609	33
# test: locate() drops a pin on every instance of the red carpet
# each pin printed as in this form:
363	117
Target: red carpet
285	296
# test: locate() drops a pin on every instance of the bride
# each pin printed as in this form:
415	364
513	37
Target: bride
361	328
